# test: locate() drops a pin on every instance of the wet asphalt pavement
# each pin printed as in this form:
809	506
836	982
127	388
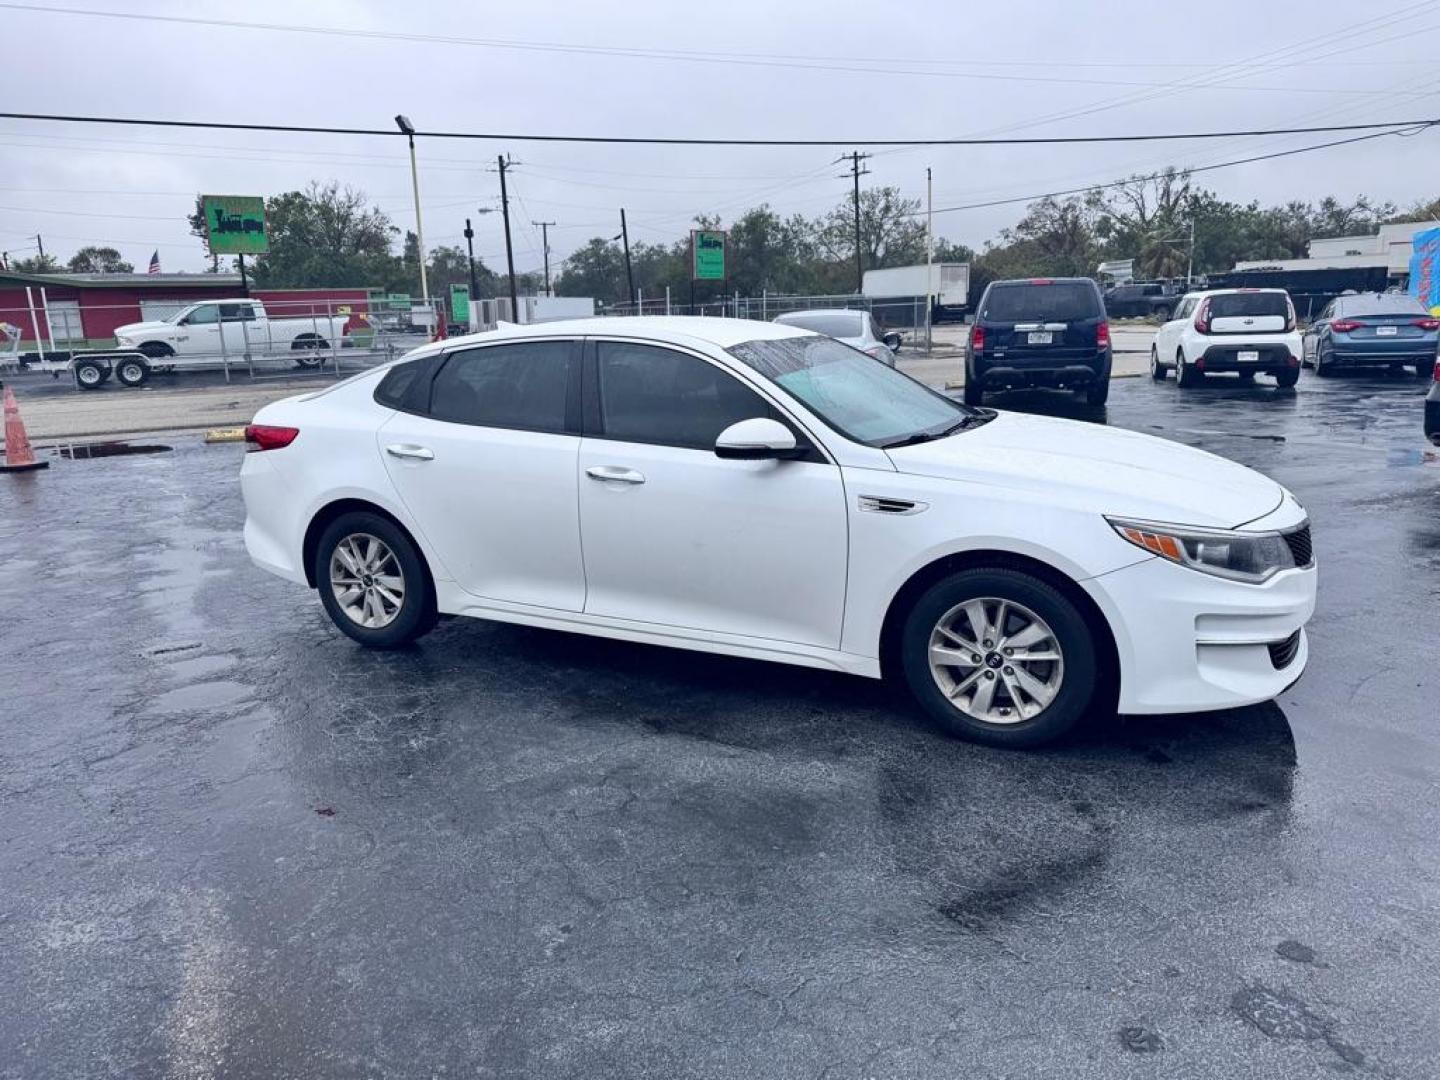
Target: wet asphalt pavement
234	844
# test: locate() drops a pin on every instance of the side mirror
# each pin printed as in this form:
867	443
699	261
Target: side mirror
892	340
758	439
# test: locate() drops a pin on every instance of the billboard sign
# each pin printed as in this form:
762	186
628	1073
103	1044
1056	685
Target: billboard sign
460	304
235	224
707	255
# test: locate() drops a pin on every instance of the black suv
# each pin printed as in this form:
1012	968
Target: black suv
1039	332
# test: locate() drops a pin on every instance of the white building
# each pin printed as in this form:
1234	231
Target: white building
1390	248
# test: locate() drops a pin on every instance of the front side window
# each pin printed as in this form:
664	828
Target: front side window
522	385
653	395
864	401
203	315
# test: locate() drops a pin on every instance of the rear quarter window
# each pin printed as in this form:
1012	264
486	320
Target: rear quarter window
1061	301
396	384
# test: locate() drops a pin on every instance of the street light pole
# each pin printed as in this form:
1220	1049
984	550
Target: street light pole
403	123
470	245
629	274
545	244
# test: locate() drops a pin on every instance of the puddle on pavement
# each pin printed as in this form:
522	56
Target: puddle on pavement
82	451
200	696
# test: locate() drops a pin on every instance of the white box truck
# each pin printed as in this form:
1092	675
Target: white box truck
948	288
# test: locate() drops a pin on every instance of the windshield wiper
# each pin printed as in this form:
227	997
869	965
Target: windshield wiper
964	422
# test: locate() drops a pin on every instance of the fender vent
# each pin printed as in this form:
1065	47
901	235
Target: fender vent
879	504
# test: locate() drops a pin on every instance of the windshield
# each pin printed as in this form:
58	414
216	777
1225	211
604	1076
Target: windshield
1024	300
1381	304
1236	305
829	323
868	402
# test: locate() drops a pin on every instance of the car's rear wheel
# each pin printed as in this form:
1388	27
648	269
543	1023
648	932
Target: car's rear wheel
1186	375
373	581
1097	392
1157	369
974	392
999	656
91	374
1287	378
132	371
1322	367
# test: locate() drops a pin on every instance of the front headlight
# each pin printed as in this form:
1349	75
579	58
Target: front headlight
1239	556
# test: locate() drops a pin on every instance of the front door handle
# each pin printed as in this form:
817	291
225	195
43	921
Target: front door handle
410	450
615	474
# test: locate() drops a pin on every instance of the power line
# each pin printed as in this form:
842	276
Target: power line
850	65
1154	176
1036	140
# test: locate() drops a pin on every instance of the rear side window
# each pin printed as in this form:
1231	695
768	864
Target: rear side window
831	324
396	384
522	386
1057	301
653	395
1235	305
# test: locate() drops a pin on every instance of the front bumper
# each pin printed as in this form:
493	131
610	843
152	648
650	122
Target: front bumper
1190	642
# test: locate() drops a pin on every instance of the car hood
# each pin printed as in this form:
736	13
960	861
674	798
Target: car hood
154	326
1116	471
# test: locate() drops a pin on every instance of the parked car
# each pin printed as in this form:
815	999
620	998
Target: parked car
854	328
1143	299
1432	407
1246	331
1373	330
757	490
1039	332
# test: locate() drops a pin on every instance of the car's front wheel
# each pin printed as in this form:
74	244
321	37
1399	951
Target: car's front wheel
373	581
999	656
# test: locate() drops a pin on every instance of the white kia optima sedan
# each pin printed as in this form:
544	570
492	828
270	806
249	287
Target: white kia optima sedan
759	490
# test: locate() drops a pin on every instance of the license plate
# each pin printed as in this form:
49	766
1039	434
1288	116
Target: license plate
1249	357
1041	337
1386	331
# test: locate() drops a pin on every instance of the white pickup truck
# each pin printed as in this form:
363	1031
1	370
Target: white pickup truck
217	328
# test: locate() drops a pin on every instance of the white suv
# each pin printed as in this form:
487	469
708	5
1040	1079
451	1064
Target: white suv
1247	331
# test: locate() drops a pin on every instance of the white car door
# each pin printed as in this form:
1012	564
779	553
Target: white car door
1167	339
201	335
237	329
676	536
489	473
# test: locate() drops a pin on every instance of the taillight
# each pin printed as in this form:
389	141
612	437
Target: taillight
1102	336
1436	373
1344	326
977	338
268	437
1290	319
1428	324
1202	317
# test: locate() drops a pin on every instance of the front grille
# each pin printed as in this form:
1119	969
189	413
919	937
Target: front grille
1282	652
1299	544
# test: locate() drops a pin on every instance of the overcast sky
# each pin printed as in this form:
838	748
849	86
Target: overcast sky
768	70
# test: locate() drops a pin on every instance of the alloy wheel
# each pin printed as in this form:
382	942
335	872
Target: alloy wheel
996	661
366	580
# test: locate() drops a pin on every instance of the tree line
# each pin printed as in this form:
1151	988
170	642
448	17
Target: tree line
331	236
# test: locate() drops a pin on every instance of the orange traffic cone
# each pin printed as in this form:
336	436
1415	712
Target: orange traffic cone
18	455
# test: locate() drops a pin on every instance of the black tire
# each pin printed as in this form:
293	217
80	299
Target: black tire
132	371
156	350
1098	391
1322	368
1185	374
1070	633
1157	369
417	613
90	374
1287	378
308	348
974	392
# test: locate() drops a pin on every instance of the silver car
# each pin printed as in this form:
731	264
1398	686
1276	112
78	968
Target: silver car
854	328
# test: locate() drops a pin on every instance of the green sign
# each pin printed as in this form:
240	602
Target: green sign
460	303
235	224
707	255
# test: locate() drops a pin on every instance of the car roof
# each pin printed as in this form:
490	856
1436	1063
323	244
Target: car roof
1237	289
1044	281
689	330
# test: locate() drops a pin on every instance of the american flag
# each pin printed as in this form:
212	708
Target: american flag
155	262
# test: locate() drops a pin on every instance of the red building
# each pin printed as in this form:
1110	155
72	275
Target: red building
81	311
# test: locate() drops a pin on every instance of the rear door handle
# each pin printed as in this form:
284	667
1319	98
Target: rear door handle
410	450
615	474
